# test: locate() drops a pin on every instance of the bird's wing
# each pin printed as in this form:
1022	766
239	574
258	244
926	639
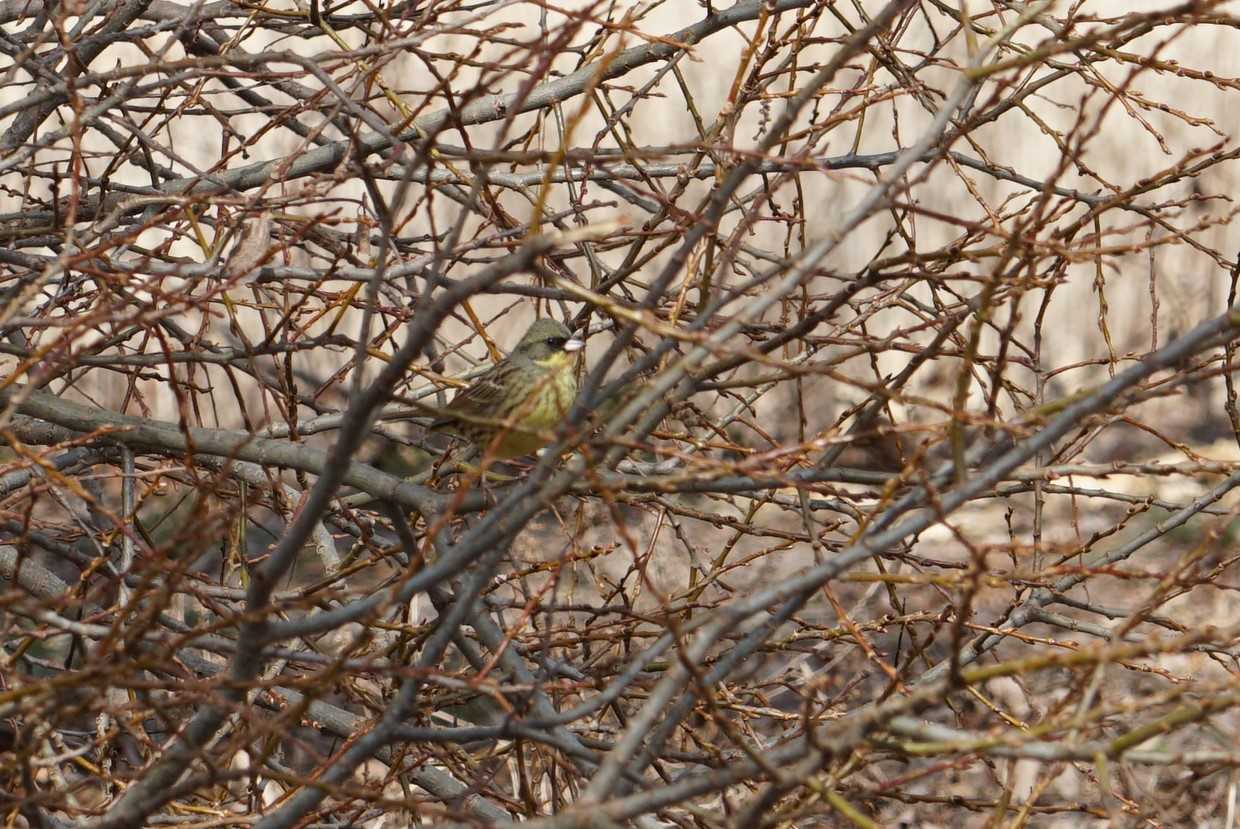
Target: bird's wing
479	397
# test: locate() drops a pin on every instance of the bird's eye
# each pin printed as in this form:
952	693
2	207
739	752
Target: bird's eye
556	342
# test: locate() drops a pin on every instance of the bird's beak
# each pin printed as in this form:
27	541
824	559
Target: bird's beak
574	345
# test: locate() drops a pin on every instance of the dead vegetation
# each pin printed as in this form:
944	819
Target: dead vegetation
899	488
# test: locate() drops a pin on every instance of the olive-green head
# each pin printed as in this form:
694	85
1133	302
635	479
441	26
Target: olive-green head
546	341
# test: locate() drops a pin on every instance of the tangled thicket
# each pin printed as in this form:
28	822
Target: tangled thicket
899	486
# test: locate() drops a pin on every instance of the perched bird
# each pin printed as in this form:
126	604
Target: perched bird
520	398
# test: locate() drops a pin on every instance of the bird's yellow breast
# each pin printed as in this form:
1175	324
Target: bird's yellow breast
555	393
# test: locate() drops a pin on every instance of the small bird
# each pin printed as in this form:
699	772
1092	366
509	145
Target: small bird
509	410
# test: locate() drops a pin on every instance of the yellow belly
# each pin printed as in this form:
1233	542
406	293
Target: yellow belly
551	402
541	414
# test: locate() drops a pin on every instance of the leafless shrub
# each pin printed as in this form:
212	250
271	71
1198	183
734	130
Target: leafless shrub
899	485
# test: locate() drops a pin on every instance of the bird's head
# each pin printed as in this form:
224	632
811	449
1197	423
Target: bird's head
548	343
